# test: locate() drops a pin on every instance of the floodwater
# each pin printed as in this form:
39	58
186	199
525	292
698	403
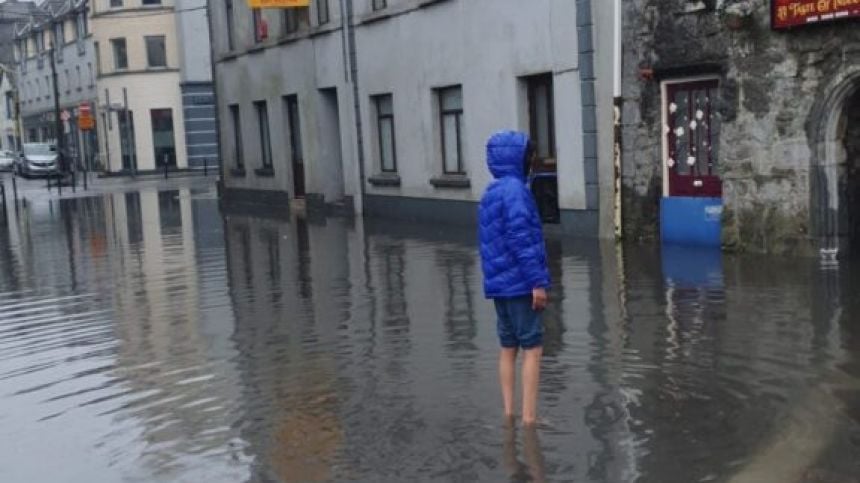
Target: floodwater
144	337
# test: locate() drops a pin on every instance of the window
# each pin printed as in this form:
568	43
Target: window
68	82
451	127
151	2
156	51
115	3
92	76
379	4
162	137
295	19
261	30
81	25
385	131
120	55
9	103
323	14
98	57
265	137
40	42
692	138
80	78
542	115
59	41
238	146
228	14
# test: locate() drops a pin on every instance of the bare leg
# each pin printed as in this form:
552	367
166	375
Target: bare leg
507	378
531	381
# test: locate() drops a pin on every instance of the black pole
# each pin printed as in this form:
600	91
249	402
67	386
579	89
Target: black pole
165	166
15	187
3	192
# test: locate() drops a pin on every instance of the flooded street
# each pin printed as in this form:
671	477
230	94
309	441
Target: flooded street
145	336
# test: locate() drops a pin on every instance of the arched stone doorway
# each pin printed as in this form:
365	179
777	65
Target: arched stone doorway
834	131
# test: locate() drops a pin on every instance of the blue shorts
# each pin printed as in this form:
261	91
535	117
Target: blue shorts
519	326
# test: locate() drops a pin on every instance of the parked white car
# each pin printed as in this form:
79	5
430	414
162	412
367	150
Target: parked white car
7	160
38	159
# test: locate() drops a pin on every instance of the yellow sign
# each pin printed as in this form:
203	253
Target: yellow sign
278	3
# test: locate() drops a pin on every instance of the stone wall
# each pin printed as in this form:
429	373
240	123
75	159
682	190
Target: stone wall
773	85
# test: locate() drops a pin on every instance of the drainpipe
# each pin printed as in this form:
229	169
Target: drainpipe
351	58
212	66
618	102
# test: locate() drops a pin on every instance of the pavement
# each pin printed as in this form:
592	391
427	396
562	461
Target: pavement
37	188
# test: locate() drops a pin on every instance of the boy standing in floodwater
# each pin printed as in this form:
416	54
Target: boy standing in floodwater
513	256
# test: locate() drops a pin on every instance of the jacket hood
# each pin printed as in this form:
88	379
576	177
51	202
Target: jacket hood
506	151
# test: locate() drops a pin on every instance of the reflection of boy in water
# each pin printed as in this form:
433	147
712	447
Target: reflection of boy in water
513	256
534	468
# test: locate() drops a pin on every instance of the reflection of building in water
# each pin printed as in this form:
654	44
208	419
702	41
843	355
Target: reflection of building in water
164	350
281	275
458	269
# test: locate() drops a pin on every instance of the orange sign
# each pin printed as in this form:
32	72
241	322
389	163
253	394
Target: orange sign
278	3
86	123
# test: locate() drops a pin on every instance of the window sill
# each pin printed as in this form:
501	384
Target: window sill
264	172
428	3
390	180
453	181
238	172
377	16
232	55
257	49
292	36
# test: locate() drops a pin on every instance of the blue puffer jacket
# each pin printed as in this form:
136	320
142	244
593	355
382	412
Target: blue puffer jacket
513	253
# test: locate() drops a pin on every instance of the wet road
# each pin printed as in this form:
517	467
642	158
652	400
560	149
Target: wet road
145	337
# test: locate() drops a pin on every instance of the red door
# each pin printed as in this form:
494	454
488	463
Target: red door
691	133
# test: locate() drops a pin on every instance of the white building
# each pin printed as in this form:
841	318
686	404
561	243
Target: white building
59	36
141	66
386	105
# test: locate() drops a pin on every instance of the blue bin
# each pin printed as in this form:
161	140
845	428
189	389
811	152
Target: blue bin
691	221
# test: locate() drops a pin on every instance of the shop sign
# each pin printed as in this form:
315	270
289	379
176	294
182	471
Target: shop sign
795	13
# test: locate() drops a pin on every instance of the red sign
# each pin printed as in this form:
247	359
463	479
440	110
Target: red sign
793	13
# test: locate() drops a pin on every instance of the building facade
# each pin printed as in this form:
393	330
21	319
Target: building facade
141	67
384	107
750	103
139	84
54	47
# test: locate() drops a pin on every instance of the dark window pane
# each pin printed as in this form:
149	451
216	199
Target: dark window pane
237	136
120	54
156	51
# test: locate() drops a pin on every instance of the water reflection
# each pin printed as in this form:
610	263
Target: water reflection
146	337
